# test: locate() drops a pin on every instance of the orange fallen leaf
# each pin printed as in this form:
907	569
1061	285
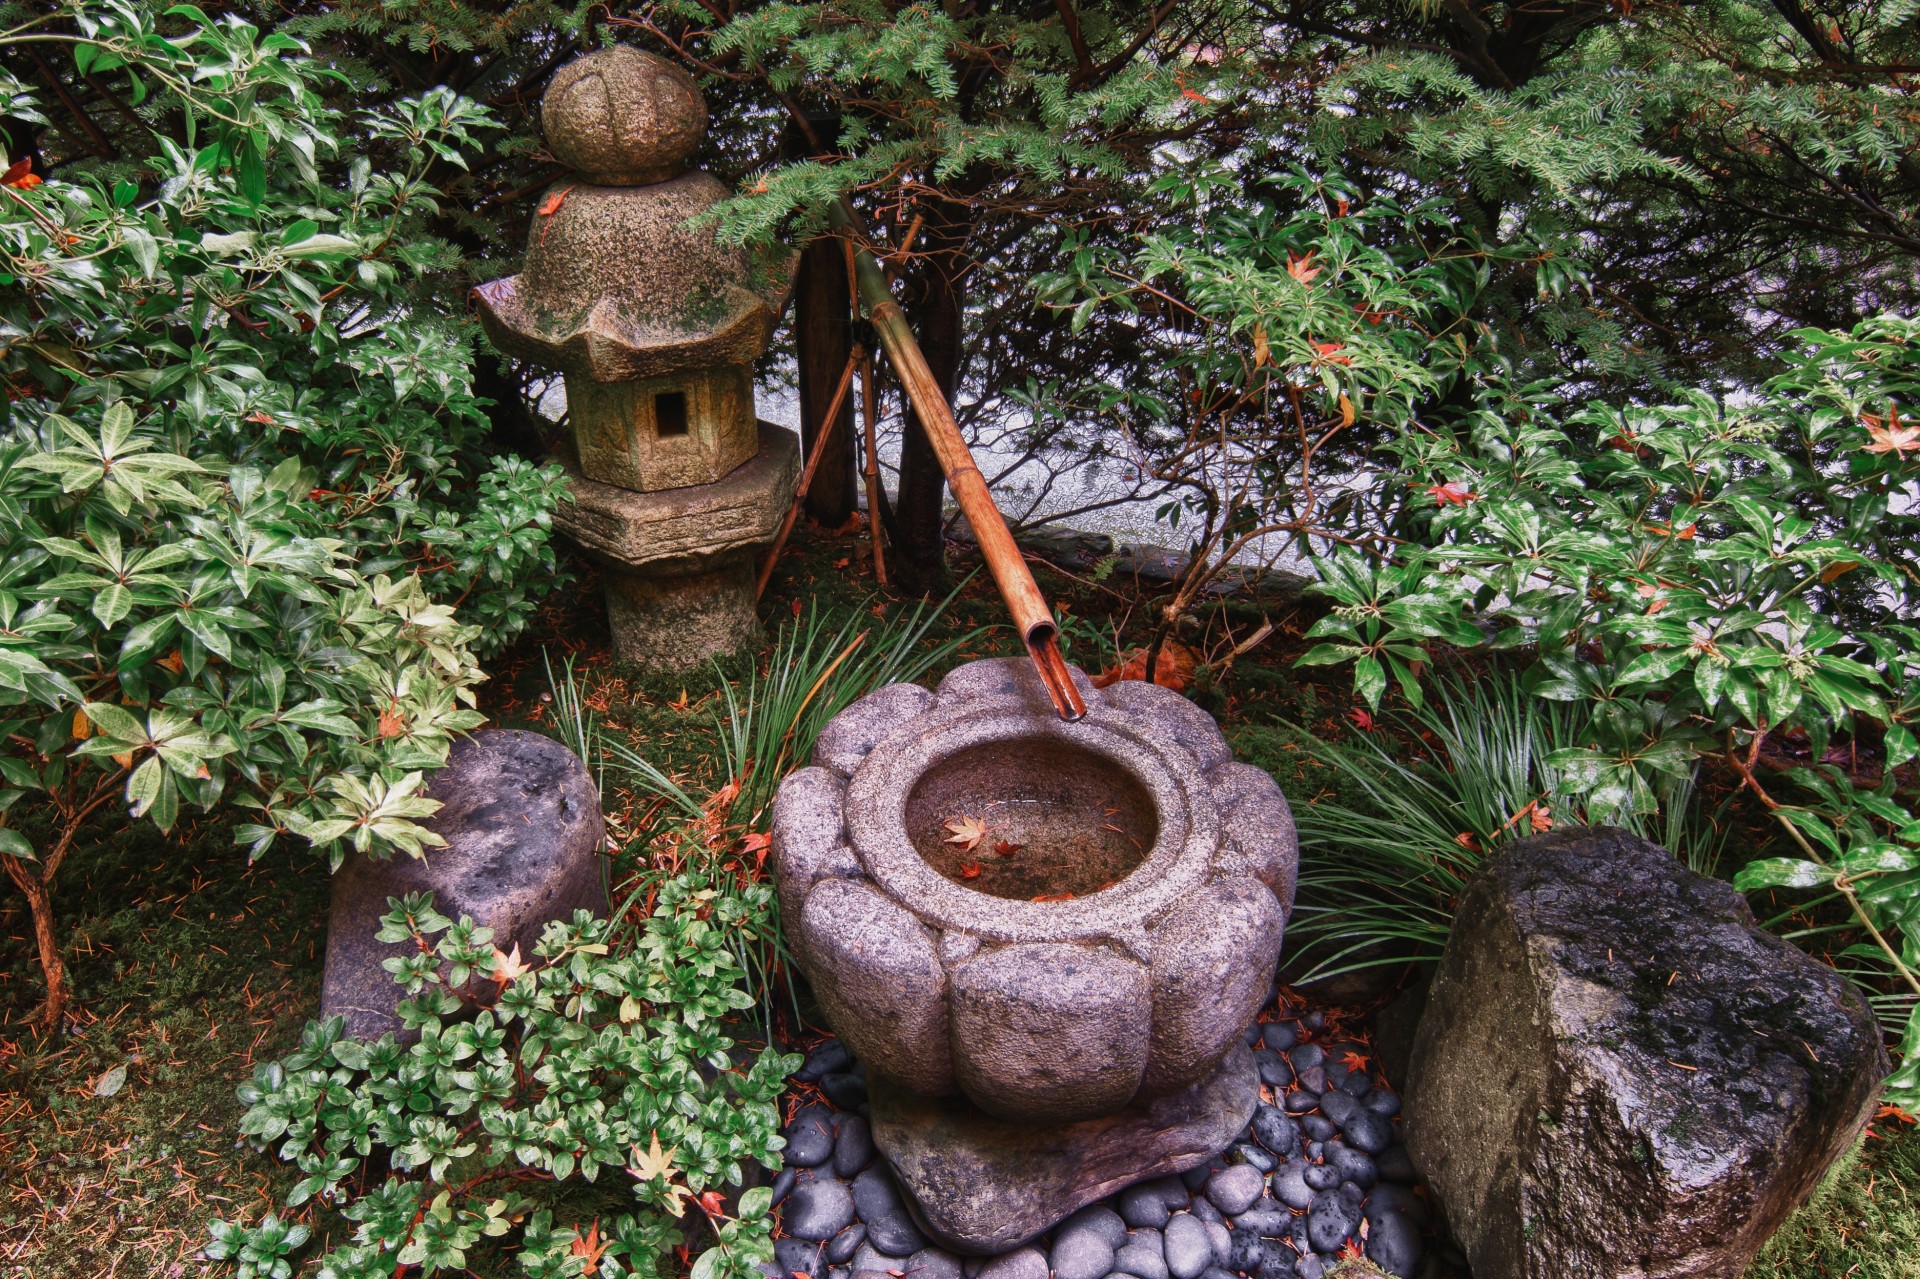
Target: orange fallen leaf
1302	268
1361	719
591	1248
392	723
1542	818
1468	841
966	832
1173	669
173	661
969	870
82	726
1353	1060
1006	847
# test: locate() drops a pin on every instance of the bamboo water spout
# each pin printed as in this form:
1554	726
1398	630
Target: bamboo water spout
1031	616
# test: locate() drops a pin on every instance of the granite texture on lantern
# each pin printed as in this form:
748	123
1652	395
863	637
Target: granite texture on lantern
1102	943
678	487
616	286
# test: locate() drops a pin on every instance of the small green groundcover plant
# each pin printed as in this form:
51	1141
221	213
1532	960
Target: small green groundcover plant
585	1108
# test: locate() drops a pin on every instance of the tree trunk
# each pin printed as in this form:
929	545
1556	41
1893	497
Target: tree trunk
939	316
47	1018
823	339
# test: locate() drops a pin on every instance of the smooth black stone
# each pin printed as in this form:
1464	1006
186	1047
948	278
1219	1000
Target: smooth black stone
1253	1035
1337	1106
1396	1165
1274	1130
1322	1176
797	1256
1217	1272
1318	1127
1273	1068
889	1229
1143	1256
1307	1056
1080	1254
1277	1264
1298	1103
933	1263
844	1089
1235	1189
1393	1244
1290	1185
1331	1220
818	1209
783	1185
1097	1219
1248	1152
1310	1267
1315	1020
1314	1078
841	1249
1187	1245
1280	1035
809	1137
1368	1131
827	1058
1194	1178
1352	1164
1355	1084
1249	1249
1314	1149
853	1148
1266	1218
1397	1199
1382	1101
1143	1205
1203	1208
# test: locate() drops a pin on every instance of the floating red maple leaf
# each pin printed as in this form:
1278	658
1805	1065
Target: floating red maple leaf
1054	897
1006	847
969	870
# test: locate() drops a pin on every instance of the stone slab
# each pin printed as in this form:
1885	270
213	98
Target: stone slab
983	1186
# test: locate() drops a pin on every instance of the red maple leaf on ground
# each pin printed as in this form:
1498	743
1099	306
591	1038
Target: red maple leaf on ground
1361	720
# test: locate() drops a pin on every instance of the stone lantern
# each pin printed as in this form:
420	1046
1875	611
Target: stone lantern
677	485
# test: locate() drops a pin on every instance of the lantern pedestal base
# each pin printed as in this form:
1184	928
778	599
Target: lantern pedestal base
680	563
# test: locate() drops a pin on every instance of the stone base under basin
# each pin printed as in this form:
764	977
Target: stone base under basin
982	1185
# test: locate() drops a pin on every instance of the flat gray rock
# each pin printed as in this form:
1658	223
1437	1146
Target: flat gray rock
982	1186
1021	1263
818	1209
1080	1254
1619	1073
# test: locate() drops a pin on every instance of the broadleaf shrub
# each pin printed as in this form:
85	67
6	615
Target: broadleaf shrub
1713	578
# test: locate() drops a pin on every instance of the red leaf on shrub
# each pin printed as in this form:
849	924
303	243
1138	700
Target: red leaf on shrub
1452	493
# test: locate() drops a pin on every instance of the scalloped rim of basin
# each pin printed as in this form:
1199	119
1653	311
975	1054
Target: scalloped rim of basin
1176	866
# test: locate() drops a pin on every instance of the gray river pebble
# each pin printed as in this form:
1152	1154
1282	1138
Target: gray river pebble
1233	1190
818	1209
1188	1248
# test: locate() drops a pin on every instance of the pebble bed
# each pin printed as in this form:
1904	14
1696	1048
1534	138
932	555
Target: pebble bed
1319	1174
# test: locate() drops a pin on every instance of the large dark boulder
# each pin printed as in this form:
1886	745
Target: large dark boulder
521	818
1619	1074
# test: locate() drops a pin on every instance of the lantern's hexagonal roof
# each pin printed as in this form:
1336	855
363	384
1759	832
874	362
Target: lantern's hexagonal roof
622	280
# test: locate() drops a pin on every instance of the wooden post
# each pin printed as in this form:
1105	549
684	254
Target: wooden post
870	413
1031	616
807	476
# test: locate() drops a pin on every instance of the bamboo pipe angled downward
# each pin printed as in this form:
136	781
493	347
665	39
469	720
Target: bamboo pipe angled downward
1031	616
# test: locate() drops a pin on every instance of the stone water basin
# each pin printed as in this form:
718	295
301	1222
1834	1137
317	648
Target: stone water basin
1055	921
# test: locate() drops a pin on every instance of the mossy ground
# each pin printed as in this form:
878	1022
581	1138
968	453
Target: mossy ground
191	966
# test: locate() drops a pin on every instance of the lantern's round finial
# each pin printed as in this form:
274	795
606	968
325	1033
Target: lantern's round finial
623	117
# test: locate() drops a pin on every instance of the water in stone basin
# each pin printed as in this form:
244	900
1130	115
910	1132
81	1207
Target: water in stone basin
1031	819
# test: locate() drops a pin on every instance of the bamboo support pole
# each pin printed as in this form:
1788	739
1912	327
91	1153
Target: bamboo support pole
1031	616
806	475
870	413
